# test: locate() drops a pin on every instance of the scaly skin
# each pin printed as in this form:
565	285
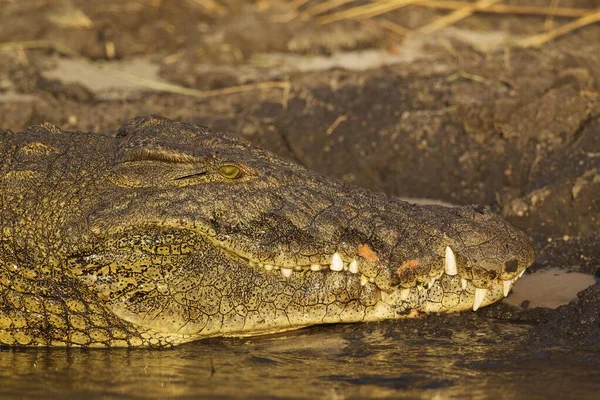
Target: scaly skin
167	233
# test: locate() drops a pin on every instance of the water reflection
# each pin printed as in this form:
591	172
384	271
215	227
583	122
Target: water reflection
391	359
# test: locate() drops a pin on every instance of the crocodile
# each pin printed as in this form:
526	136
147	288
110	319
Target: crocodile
164	232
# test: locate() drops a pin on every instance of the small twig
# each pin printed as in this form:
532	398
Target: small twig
392	26
145	82
335	124
324	7
474	78
386	8
366	11
538	40
349	13
454	17
172	88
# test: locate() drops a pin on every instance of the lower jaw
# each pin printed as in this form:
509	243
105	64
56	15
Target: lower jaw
420	301
445	295
395	305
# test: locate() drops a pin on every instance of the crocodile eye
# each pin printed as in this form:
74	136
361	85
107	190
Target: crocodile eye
230	171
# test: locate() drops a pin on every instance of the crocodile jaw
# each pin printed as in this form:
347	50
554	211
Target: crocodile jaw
339	292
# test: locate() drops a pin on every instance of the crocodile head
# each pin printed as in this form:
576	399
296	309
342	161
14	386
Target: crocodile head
168	233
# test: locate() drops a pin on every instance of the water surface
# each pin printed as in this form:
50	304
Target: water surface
479	358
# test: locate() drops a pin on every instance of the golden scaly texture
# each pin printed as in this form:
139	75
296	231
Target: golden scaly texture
166	233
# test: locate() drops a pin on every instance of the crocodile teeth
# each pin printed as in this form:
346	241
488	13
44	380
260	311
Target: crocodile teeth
268	267
507	286
336	262
450	262
315	267
353	267
286	272
521	274
363	280
463	283
479	297
404	294
430	283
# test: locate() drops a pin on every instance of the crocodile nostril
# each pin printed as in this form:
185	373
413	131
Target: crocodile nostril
511	266
476	213
480	209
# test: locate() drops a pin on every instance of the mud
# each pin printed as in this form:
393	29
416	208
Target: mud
460	116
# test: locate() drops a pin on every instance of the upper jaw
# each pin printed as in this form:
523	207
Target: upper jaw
442	243
442	257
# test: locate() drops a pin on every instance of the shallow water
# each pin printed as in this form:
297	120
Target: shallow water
392	359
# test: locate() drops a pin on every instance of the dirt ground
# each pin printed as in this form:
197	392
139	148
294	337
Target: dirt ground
483	110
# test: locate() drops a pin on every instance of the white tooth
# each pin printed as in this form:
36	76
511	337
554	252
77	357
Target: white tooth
507	287
450	262
404	294
521	274
384	296
431	283
353	267
268	267
287	272
479	297
463	283
336	262
363	280
315	267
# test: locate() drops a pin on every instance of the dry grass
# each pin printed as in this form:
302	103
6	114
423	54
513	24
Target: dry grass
538	40
324	7
366	11
145	82
474	78
508	9
393	27
455	16
460	10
